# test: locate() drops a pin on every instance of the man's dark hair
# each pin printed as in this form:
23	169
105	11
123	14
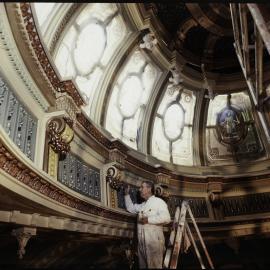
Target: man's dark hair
150	185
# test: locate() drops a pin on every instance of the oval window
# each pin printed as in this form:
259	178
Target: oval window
89	47
130	96
173	121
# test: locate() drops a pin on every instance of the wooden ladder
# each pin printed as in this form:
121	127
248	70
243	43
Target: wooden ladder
179	228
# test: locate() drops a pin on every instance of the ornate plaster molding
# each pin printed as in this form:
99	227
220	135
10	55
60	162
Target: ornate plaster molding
60	135
33	42
24	174
23	235
63	223
7	43
66	103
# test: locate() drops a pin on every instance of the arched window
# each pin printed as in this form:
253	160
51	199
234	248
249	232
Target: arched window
129	97
88	46
172	129
231	135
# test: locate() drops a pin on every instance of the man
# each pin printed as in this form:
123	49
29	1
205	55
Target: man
153	213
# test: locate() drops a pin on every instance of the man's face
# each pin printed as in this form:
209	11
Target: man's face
145	191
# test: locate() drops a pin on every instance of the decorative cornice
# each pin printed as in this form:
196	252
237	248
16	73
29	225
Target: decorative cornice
38	220
93	131
108	145
15	168
40	53
8	45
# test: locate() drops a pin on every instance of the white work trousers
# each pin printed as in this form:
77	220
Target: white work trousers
151	246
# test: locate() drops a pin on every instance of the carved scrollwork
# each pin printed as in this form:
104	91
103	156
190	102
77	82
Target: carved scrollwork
149	41
114	177
161	191
60	135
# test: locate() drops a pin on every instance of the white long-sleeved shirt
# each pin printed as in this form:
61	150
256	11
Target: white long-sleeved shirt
154	208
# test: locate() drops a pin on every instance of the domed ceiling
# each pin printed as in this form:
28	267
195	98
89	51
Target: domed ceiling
136	92
202	32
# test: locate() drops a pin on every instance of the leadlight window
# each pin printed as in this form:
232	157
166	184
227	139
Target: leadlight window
89	45
172	129
45	13
231	135
130	96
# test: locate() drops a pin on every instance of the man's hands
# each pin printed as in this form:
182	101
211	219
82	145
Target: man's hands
143	220
127	188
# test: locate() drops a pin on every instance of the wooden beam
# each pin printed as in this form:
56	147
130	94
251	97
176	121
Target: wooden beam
254	100
244	31
258	62
261	24
235	25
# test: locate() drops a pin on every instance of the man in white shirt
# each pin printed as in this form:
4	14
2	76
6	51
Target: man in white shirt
153	213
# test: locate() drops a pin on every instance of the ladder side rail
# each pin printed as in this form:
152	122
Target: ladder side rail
195	246
200	238
179	236
170	245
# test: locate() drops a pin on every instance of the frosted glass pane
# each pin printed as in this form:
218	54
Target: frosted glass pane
63	60
216	152
70	38
113	116
64	63
173	121
182	151
116	32
88	86
130	130
130	96
134	64
188	101
160	145
87	53
167	98
149	77
43	11
100	11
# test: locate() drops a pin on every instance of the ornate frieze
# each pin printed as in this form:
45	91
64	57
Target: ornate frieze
19	124
198	205
246	204
79	176
11	165
40	53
